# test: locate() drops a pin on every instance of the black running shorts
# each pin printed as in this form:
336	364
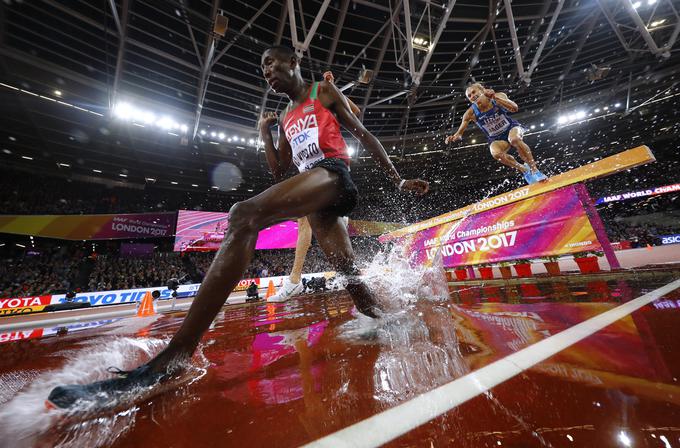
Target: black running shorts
348	197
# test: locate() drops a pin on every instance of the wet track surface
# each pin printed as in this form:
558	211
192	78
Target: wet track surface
287	374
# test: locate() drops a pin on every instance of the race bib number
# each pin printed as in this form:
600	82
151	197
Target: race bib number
305	148
496	124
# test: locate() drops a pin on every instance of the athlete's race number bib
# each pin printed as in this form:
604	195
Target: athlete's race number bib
496	124
305	148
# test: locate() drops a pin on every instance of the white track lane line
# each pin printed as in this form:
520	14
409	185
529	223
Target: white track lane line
397	421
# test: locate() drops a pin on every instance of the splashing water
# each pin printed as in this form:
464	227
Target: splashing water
398	284
25	420
419	348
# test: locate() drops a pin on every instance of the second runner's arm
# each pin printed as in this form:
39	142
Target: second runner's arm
468	117
505	102
339	105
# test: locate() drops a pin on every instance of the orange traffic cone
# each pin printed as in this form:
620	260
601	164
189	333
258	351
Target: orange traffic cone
146	306
270	290
649	247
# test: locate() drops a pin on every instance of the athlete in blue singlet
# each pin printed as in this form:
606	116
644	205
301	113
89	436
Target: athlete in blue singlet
491	113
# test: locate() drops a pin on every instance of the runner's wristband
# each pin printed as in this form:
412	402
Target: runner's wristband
401	184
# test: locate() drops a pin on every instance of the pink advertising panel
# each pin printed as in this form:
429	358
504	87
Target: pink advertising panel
204	231
554	223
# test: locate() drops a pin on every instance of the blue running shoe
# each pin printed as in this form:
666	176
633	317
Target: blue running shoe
539	177
528	177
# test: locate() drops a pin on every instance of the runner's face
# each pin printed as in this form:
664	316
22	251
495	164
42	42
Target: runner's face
277	70
474	93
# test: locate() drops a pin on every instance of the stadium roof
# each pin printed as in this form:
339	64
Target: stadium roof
146	91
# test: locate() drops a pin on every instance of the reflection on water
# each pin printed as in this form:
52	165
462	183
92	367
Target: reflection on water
286	374
24	417
418	353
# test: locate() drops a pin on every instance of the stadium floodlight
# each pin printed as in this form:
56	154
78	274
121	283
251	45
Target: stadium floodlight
123	111
636	5
203	132
183	128
251	141
221	135
562	119
213	134
597	111
350	150
165	123
580	115
147	117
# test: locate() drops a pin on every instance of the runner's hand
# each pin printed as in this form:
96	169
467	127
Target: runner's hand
328	76
417	186
489	93
267	120
453	138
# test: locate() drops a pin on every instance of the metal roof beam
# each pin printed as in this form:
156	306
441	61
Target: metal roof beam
572	58
534	63
240	33
185	16
149	48
409	39
122	39
440	29
205	70
493	13
338	29
277	41
515	41
644	32
376	69
116	19
471	20
315	24
532	34
615	27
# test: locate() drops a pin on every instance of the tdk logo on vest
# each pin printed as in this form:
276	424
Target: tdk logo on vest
296	127
300	138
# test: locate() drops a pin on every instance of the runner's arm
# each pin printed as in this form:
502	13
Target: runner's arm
278	159
468	116
355	109
338	103
334	100
505	102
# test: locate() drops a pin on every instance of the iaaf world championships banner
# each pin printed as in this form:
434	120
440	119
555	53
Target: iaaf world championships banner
639	194
91	227
550	224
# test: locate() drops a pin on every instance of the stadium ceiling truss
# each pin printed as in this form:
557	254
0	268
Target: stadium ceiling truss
404	62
